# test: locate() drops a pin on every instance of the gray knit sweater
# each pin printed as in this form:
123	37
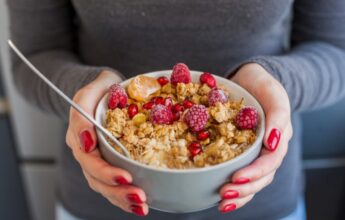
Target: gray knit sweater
301	43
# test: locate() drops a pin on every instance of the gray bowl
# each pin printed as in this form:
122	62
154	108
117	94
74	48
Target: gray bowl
189	190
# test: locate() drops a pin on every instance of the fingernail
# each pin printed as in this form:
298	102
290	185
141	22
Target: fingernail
138	210
273	139
134	198
86	141
230	194
241	180
121	180
228	208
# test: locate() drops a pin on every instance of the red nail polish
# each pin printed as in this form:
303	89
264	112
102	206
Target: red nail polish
86	141
241	180
273	139
230	194
121	180
134	198
138	210
228	208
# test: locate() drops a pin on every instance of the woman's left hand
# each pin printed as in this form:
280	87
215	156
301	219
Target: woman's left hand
248	181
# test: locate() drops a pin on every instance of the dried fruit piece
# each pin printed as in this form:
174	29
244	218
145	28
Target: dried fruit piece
158	100
208	79
132	110
168	102
180	74
141	87
176	116
247	118
160	114
178	108
196	117
139	119
117	97
216	95
194	148
203	135
163	80
187	103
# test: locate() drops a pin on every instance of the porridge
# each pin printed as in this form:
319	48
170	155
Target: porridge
179	124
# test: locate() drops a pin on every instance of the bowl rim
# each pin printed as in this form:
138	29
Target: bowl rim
258	140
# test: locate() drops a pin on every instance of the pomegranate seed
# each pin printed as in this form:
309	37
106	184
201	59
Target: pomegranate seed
132	110
178	107
176	116
148	105
195	148
158	100
168	102
163	80
203	135
208	79
187	103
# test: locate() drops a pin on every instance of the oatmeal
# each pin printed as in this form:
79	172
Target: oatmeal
178	123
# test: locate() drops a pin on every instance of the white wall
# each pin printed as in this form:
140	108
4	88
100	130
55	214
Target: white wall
37	136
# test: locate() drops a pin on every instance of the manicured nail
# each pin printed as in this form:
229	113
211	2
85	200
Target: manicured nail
230	194
121	180
241	180
273	139
228	208
86	141
134	198
138	210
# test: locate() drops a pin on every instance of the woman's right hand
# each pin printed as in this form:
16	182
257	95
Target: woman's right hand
112	182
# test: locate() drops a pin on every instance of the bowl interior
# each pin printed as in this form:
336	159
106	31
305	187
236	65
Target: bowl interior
236	93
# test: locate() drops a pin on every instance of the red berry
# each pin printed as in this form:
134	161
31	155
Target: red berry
216	95
187	103
203	135
194	148
180	74
163	80
247	118
117	97
208	79
132	110
168	102
178	107
196	117
160	114
148	105
176	116
158	100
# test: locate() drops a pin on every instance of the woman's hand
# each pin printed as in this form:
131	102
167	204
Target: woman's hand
112	182
278	131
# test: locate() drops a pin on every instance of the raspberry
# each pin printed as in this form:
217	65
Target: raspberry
163	80
168	102
247	118
196	117
180	74
117	97
208	79
216	95
160	114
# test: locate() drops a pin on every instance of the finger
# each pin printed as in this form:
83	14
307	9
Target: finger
229	205
93	164
232	191
88	98
129	198
266	163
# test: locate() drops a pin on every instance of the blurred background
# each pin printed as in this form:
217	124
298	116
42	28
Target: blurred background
29	142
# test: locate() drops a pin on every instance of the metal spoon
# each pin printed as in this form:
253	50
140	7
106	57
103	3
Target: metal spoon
67	99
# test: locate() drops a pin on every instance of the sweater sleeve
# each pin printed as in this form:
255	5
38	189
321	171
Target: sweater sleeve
44	31
313	71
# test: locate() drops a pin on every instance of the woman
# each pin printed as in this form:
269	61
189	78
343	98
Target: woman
286	53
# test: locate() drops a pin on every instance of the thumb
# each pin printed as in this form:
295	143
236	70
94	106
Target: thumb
87	98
